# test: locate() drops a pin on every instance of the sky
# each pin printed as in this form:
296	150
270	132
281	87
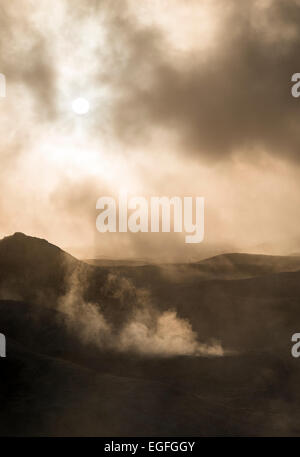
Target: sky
187	98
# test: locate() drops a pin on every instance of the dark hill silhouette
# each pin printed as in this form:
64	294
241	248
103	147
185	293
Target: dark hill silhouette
34	270
46	396
223	266
20	248
54	383
29	266
238	265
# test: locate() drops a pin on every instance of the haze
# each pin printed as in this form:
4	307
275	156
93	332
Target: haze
200	109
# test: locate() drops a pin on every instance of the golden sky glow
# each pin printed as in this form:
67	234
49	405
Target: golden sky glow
181	102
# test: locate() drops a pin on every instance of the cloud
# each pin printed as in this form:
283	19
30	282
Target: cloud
230	96
25	57
186	97
234	97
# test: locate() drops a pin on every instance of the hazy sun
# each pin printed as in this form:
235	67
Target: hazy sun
81	106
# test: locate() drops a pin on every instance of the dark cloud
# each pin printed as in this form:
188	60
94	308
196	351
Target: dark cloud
25	56
235	98
232	98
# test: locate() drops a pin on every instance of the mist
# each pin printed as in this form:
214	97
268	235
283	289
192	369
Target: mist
146	331
201	110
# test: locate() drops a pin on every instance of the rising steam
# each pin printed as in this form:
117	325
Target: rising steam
147	331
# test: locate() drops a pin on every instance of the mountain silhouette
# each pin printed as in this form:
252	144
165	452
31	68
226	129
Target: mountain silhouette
33	269
54	382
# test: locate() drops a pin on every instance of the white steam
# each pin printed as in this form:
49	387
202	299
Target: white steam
148	331
169	336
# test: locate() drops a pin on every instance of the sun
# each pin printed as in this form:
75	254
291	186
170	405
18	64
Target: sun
80	106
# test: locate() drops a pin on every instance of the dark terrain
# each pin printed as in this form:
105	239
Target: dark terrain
53	382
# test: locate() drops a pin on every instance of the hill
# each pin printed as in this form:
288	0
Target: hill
58	380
